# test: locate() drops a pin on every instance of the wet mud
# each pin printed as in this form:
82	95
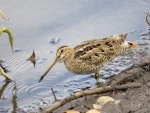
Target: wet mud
132	100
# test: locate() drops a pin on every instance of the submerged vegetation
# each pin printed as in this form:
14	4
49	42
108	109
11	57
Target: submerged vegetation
147	21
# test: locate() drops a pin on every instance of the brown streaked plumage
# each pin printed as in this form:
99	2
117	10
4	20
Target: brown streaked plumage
91	56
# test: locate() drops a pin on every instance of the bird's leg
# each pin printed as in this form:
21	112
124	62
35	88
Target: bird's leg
97	76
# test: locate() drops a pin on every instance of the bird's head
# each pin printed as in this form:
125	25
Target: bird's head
63	53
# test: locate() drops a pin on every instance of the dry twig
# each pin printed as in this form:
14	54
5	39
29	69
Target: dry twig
104	89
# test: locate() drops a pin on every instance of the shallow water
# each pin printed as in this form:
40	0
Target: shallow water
35	23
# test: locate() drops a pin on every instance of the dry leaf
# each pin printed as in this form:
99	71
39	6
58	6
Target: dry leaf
32	58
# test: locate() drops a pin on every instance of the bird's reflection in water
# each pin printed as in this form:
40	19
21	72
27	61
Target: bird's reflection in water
14	95
2	89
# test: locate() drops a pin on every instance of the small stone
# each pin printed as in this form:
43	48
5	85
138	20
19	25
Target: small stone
41	103
54	40
101	101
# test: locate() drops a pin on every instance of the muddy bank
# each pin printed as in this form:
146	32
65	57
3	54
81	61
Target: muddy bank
131	99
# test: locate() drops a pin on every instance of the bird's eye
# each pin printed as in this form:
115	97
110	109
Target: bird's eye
62	51
130	43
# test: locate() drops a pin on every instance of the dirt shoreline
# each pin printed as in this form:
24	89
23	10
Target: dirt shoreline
133	100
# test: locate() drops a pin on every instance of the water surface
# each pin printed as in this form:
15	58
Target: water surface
34	23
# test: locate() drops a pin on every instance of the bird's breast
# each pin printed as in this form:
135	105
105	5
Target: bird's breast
79	67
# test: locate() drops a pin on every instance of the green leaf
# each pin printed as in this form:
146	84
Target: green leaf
4	74
9	32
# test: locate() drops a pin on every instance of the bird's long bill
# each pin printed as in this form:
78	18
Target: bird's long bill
133	44
48	69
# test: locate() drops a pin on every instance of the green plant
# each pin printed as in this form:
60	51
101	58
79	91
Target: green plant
9	32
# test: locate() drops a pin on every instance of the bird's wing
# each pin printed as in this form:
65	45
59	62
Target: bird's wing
95	51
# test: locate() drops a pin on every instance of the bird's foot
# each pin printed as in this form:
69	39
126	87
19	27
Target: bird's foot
99	84
97	76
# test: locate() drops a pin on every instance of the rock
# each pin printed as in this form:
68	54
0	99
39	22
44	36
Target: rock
93	111
54	40
101	101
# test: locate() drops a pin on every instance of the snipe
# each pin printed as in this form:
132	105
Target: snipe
91	56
